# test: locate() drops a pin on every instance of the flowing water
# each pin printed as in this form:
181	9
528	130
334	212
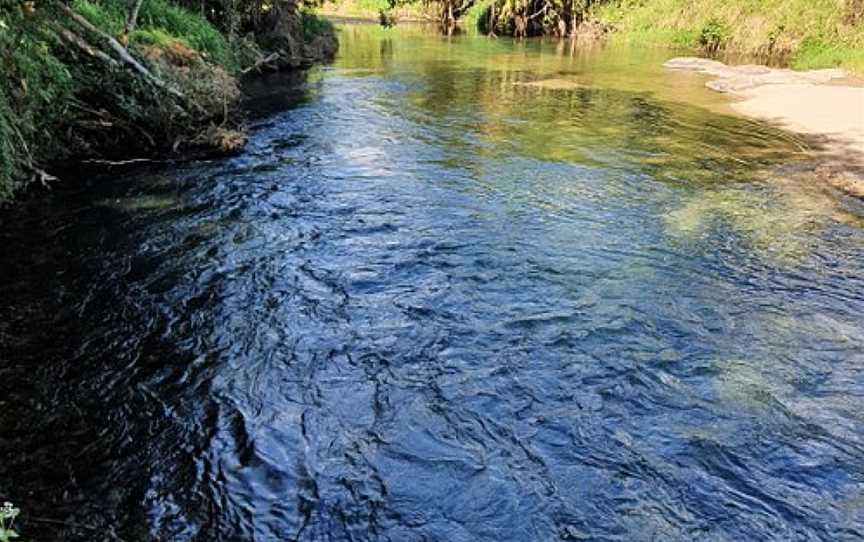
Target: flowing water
455	289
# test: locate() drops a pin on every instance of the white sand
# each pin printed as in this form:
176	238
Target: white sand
833	111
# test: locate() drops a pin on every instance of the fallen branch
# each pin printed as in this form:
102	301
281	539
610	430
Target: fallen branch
42	176
272	57
122	52
78	41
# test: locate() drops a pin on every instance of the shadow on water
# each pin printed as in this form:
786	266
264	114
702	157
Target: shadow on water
435	301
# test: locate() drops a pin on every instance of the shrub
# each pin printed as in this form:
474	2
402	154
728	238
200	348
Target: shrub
314	25
34	90
714	35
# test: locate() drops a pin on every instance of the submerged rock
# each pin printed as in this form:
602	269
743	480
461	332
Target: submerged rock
552	84
693	63
731	79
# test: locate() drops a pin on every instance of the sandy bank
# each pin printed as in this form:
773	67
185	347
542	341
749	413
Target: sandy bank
816	104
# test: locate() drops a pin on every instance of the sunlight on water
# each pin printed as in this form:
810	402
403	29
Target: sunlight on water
454	289
778	220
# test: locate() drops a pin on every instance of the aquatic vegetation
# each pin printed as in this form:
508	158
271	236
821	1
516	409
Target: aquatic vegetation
745	384
776	219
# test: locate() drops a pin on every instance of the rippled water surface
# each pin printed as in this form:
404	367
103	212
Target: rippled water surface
435	300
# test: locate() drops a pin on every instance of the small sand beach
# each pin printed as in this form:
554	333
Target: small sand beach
819	104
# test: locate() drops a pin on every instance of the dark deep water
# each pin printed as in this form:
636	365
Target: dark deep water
429	302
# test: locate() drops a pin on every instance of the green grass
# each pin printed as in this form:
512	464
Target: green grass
158	22
814	53
191	28
107	16
812	33
154	36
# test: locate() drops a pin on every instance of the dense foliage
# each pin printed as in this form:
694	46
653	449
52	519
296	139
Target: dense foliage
84	78
515	17
36	85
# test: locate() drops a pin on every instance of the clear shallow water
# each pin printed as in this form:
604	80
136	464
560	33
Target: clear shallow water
430	302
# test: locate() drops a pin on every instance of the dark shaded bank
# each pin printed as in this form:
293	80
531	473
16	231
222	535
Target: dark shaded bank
104	81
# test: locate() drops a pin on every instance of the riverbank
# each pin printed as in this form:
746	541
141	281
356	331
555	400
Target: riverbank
805	34
822	105
103	81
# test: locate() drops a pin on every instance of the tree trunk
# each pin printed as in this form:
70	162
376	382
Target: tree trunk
132	20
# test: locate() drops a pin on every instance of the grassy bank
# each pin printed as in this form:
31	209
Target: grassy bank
91	80
808	33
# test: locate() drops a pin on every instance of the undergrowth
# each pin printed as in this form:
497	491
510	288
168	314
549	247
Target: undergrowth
159	21
313	25
35	89
57	102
